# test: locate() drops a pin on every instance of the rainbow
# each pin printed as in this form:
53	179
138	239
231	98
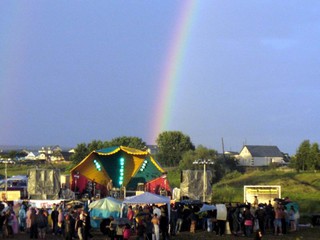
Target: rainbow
169	77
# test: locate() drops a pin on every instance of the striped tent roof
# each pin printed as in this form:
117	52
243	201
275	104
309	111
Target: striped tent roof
133	165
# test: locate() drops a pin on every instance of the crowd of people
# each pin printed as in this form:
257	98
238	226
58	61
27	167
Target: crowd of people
61	220
247	219
250	220
146	222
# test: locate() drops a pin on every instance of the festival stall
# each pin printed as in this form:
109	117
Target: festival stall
102	209
147	198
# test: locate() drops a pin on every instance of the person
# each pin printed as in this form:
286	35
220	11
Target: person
261	216
164	225
119	231
130	215
269	216
69	226
126	232
179	220
221	219
149	227
79	226
8	230
60	222
54	218
109	187
112	228
155	222
236	221
42	224
156	210
28	218
173	220
193	221
248	222
292	219
33	224
277	221
86	226
255	202
15	223
141	229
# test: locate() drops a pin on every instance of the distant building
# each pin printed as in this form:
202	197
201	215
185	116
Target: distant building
53	154
30	156
259	155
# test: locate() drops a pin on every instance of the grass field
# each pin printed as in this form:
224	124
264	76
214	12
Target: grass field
303	188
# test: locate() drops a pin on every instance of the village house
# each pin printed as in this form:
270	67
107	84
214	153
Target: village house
259	155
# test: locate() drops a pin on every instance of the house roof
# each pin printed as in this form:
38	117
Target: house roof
264	151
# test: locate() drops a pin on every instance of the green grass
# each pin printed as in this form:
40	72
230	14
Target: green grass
303	188
22	169
300	187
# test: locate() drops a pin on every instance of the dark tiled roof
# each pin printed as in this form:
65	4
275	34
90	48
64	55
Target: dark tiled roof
264	151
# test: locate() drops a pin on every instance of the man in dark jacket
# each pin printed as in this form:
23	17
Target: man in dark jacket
54	217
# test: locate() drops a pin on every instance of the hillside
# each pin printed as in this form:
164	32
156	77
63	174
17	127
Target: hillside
303	188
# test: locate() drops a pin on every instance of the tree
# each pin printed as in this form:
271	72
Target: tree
171	146
200	152
303	155
221	165
314	163
307	157
95	145
133	142
80	152
224	165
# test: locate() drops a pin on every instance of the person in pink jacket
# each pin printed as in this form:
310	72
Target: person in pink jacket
126	232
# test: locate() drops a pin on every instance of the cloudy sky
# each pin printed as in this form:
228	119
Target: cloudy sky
77	71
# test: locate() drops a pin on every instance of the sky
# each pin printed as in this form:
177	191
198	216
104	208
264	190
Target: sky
245	72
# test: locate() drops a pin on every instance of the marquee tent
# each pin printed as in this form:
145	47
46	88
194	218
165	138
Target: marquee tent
126	167
147	198
104	208
206	207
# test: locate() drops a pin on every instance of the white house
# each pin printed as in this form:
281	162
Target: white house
30	156
257	155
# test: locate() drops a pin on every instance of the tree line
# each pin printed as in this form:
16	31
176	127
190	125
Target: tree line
307	157
174	149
